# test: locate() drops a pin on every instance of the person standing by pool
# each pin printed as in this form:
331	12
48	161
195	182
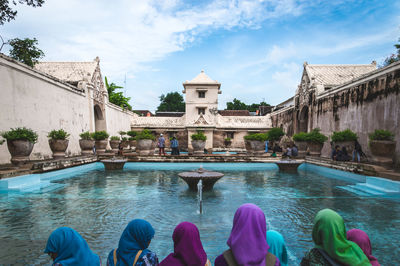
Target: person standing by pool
133	246
247	242
67	247
362	240
161	145
266	146
277	246
188	249
331	244
174	146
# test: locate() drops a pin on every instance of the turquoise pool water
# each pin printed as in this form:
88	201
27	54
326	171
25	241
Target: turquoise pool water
99	204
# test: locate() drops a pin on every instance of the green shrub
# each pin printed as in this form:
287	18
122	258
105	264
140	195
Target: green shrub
199	136
20	133
132	133
228	139
274	134
122	133
301	136
315	136
144	134
86	135
100	135
345	135
257	136
114	138
58	134
124	138
131	138
381	134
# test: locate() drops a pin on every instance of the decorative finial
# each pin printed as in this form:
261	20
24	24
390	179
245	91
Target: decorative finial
202	71
97	59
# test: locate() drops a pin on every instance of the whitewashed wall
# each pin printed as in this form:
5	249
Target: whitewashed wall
35	100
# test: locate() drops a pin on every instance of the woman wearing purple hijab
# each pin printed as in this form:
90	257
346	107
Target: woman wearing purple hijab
188	249
247	242
362	240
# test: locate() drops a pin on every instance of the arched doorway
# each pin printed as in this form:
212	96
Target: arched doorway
303	119
99	121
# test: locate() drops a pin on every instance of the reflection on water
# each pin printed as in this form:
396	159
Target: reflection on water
99	204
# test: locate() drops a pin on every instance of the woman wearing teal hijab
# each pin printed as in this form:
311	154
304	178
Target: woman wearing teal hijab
331	244
277	246
66	247
133	246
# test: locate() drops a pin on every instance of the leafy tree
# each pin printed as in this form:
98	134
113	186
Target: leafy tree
117	98
7	13
25	51
172	102
239	105
394	57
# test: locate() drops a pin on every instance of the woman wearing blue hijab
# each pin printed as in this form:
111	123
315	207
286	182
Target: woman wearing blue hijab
132	248
66	247
277	246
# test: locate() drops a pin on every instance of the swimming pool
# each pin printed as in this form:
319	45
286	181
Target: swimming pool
99	205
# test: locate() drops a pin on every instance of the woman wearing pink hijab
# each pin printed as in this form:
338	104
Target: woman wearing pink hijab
247	242
362	240
188	249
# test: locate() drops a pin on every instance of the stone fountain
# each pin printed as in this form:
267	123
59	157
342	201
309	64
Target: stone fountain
288	165
114	163
209	178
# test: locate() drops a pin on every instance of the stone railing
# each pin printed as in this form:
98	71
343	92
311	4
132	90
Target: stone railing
158	122
247	122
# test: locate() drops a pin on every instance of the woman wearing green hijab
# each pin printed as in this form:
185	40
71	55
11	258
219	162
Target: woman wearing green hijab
331	244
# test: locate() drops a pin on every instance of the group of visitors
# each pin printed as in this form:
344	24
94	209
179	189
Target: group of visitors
161	145
249	244
343	155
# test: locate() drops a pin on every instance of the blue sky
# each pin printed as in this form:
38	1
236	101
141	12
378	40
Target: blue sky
255	48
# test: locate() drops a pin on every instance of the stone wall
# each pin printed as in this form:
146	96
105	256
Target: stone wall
362	105
41	102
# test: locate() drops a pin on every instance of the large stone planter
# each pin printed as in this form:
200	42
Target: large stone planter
58	147
114	146
198	146
19	150
101	146
348	144
302	148
383	151
86	146
145	147
315	148
255	147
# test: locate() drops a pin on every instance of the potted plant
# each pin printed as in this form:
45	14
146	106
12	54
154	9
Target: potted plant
255	143
101	142
114	143
124	140
58	142
382	145
300	139
198	142
86	143
315	141
227	142
20	143
132	139
145	141
345	138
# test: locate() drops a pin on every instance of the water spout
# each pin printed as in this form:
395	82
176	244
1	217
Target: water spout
200	195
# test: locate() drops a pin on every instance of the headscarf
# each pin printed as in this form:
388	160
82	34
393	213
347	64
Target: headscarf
362	240
188	249
135	237
248	236
277	246
71	248
329	234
